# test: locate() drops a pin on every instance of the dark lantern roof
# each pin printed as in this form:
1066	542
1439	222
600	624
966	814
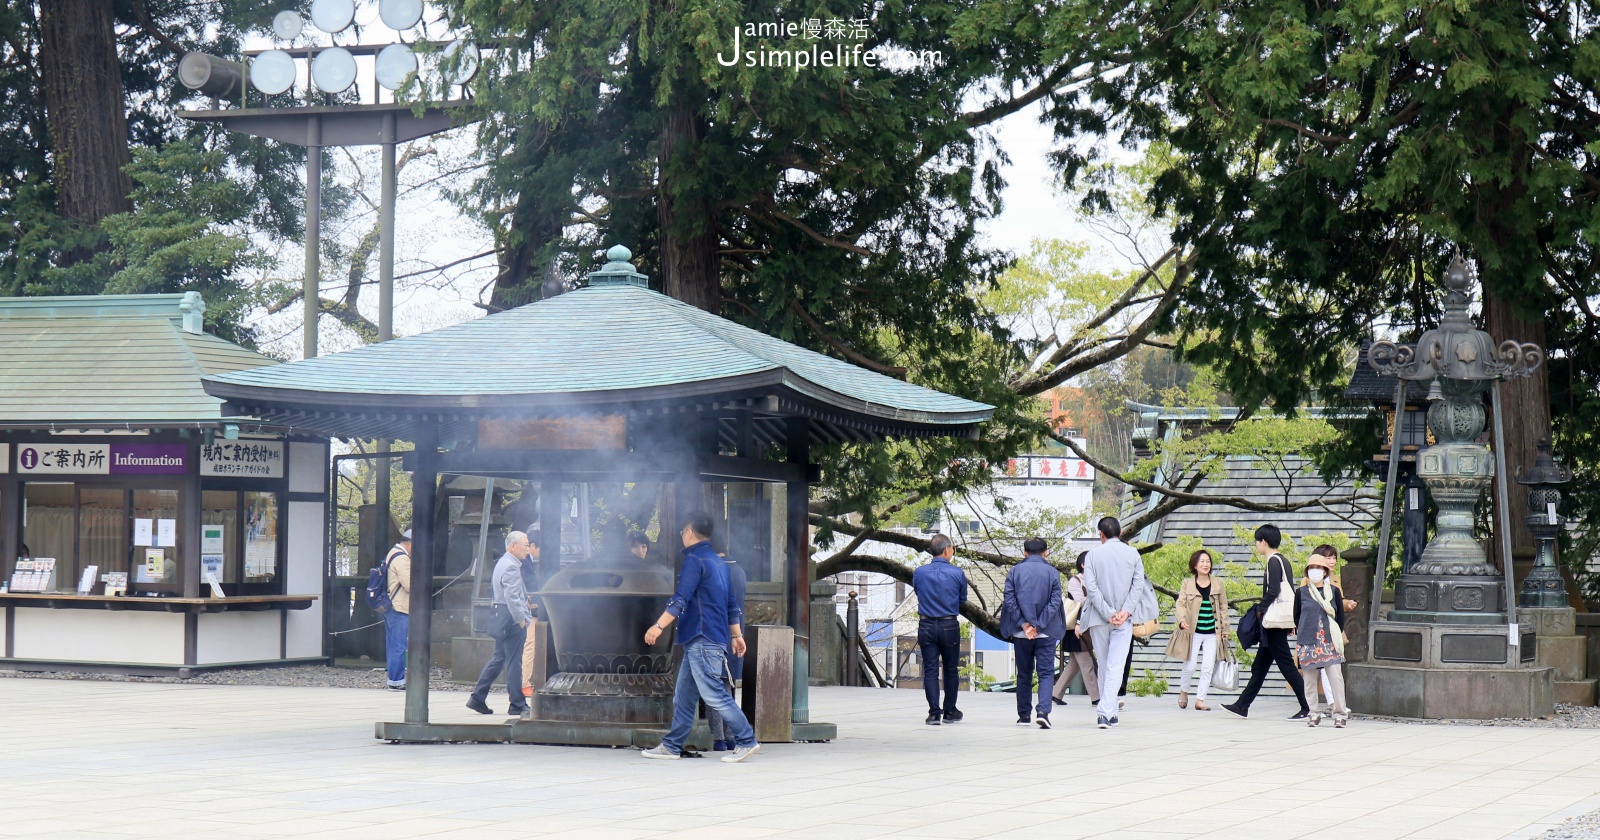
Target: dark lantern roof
1367	385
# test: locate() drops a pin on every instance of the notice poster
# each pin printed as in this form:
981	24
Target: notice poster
144	532
166	533
211	564
155	565
260	559
211	537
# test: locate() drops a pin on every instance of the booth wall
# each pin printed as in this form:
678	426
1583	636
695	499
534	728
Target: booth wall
135	638
304	577
239	637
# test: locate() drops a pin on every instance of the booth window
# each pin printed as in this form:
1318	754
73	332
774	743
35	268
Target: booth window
247	554
114	528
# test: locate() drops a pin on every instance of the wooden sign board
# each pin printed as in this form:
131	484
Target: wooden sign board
606	432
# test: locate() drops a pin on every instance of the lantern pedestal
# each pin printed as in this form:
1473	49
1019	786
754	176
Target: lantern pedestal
1451	671
1461	693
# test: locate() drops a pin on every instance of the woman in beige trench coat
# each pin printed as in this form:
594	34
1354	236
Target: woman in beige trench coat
1202	627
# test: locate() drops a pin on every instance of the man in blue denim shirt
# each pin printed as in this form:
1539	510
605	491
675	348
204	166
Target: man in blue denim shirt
941	590
708	628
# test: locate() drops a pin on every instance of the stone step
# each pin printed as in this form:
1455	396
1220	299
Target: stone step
1575	692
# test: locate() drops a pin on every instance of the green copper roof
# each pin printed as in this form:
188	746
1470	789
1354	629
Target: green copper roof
611	342
111	360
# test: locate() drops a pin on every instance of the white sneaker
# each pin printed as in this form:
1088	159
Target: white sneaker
661	752
740	754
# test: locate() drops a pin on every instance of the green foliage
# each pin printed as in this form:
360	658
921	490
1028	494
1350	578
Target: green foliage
1149	685
976	678
1297	549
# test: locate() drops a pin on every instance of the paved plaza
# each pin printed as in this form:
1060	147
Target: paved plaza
115	759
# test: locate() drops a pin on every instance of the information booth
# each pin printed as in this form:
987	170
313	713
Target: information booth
141	533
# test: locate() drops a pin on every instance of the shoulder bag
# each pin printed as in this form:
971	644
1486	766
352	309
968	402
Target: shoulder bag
1280	614
1072	609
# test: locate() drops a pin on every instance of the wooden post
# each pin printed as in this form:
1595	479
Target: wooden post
797	581
766	700
419	654
551	502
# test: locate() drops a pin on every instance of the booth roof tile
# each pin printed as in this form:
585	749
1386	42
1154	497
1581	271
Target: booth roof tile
144	370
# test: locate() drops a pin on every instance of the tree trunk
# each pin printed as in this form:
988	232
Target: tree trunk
85	109
688	223
1526	410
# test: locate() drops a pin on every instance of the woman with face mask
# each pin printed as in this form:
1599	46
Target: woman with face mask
1319	636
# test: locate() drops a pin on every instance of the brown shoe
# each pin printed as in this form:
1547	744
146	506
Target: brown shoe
1200	706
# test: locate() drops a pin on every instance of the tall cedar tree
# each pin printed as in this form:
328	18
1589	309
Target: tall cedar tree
87	85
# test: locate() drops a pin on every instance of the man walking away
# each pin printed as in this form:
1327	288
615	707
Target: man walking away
1033	619
508	626
1278	581
397	621
941	590
1113	575
703	605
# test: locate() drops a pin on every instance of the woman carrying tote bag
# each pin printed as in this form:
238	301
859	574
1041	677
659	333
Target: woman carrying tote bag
1278	586
1075	647
1202	625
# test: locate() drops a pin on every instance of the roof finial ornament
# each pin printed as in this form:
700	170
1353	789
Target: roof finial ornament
618	271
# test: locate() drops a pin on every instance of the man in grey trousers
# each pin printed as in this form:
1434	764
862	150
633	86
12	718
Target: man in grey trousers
1113	575
508	625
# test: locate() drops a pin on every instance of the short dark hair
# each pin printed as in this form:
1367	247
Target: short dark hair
700	523
1035	545
1326	551
1270	535
1194	561
637	537
938	544
536	539
1082	556
1110	527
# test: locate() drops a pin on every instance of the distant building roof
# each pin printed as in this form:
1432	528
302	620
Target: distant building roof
111	360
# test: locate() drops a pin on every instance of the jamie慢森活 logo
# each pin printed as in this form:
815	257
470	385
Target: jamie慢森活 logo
833	42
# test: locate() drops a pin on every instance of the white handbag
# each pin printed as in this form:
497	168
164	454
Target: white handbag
1225	674
1280	613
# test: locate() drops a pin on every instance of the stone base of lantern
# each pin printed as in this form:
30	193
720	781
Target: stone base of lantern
1449	693
1451	671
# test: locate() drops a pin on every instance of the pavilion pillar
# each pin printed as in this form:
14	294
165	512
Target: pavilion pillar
551	501
797	580
419	641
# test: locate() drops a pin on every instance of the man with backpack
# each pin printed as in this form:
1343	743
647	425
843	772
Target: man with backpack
393	579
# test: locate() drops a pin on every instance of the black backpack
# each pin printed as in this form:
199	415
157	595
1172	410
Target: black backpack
378	586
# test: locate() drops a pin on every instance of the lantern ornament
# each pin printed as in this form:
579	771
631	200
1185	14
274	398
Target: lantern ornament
1454	580
1544	586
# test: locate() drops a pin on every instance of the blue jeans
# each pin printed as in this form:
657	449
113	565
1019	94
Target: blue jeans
702	677
1035	655
509	639
396	627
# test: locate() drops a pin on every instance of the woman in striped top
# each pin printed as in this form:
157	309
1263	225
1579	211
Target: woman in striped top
1202	618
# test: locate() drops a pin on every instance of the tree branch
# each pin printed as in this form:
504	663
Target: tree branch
852	355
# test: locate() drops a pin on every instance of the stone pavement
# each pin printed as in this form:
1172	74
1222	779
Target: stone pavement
105	759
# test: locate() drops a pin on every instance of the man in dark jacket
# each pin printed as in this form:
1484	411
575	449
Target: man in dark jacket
1033	619
707	628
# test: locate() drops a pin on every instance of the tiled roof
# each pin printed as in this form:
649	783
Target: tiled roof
613	340
121	359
